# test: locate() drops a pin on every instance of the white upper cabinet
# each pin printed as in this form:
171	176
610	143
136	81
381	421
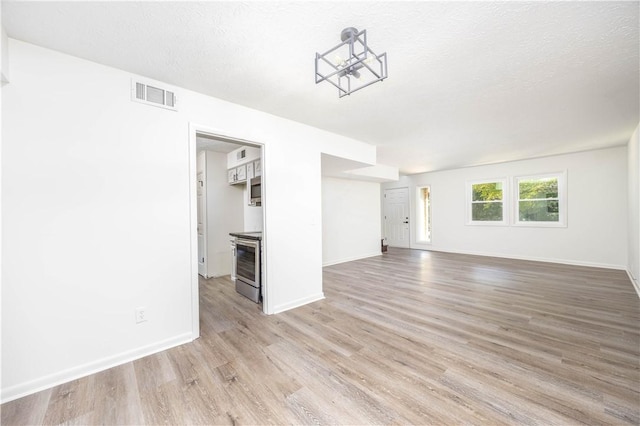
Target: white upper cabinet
242	155
231	175
241	173
243	163
250	171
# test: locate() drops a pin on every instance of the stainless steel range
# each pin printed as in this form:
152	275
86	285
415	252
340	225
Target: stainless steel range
247	259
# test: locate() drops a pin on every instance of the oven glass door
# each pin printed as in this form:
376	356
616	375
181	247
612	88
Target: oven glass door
246	261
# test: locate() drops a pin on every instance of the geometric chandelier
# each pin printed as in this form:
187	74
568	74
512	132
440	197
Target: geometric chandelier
351	65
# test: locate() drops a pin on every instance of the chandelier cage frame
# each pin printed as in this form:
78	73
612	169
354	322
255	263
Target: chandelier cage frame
347	73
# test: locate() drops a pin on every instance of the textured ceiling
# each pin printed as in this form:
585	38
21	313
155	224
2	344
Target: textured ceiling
469	83
207	143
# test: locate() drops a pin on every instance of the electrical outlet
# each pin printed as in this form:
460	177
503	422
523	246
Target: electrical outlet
141	314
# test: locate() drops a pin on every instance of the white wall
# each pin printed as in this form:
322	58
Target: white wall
97	215
225	209
633	156
350	220
597	227
4	56
252	218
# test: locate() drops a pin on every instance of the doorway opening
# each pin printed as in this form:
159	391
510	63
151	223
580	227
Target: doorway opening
222	169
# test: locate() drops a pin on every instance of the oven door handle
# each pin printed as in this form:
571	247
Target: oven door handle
250	243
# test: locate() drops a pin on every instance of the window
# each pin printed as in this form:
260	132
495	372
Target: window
541	200
486	202
423	204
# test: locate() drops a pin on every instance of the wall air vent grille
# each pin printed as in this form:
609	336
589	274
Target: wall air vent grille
152	93
170	99
140	91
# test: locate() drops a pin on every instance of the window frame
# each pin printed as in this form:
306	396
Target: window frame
505	201
562	200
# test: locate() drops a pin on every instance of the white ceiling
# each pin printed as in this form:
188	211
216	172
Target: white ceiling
469	83
206	142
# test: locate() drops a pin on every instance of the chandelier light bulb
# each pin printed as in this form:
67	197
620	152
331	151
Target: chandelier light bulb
339	61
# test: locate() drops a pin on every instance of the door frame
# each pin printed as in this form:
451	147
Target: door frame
204	220
195	128
384	211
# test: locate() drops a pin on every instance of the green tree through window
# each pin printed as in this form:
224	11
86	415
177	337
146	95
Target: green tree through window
538	200
487	202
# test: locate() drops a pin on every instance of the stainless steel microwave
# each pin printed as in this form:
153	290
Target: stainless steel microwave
255	191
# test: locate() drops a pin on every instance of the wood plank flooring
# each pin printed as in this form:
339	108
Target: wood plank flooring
409	337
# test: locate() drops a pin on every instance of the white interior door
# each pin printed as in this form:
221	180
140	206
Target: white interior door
202	232
396	217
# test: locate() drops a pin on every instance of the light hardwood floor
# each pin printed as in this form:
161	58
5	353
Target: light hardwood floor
410	337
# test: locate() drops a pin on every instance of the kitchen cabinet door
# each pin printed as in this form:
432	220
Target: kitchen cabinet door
250	174
241	173
231	175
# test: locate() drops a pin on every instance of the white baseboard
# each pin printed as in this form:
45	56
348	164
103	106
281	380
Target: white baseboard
533	258
298	303
350	259
46	382
634	281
